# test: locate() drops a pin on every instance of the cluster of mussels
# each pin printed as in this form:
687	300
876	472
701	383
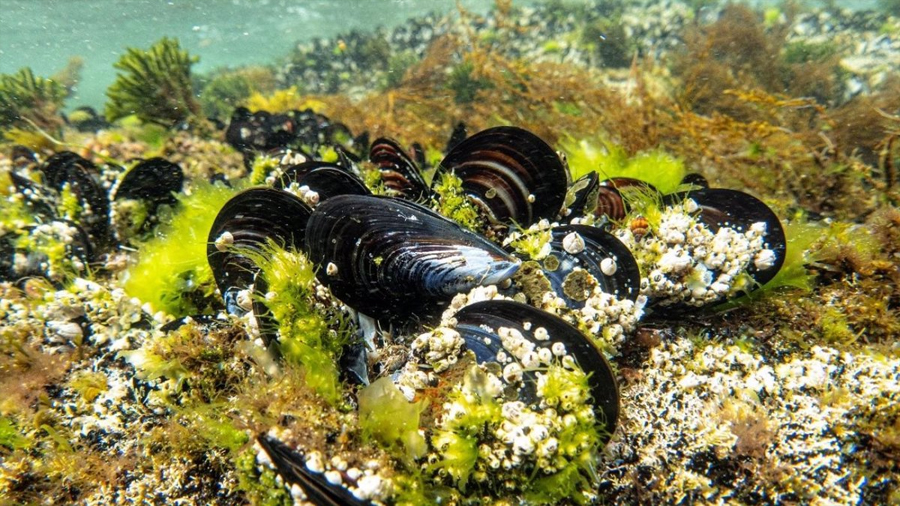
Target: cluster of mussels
500	316
79	212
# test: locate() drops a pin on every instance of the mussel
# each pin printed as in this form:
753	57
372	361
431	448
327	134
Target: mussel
507	332
510	174
400	174
390	259
243	227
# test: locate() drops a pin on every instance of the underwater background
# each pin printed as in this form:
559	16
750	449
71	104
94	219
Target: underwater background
449	252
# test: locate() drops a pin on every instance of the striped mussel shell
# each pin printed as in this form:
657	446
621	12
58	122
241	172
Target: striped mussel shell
720	207
510	174
610	202
291	466
584	257
392	259
400	174
481	324
324	178
244	225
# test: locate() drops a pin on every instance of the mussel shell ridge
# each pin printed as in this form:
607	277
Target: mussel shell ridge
390	258
512	174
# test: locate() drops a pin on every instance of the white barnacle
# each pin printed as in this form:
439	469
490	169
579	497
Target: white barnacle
558	349
608	266
331	269
245	300
333	477
541	334
224	241
512	373
573	243
764	260
531	198
314	462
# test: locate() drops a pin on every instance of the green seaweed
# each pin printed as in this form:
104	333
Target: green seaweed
154	85
306	335
172	273
27	100
387	417
609	160
11	437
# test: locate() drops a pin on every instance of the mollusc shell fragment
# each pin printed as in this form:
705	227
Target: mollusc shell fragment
510	173
478	324
390	259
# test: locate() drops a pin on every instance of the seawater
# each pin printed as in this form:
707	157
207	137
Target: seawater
44	34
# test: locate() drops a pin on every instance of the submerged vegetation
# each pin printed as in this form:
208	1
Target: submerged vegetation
100	402
154	85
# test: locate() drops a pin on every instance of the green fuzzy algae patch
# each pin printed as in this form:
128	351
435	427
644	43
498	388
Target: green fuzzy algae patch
173	263
609	160
387	417
306	335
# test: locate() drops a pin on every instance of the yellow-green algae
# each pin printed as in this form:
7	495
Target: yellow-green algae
657	167
305	335
172	265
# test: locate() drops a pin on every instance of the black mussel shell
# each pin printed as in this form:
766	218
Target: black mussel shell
155	182
723	207
80	247
39	199
695	179
399	172
459	134
582	194
22	156
86	119
252	218
392	259
68	169
510	173
478	324
599	254
291	466
609	197
326	179
259	131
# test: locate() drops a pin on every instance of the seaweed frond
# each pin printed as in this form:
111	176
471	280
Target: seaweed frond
154	85
26	98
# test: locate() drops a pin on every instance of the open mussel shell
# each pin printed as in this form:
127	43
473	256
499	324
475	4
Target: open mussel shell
326	179
510	173
479	324
583	257
391	259
723	207
244	225
292	468
400	174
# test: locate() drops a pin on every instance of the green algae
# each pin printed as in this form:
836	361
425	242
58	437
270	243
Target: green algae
154	85
657	167
453	203
387	417
172	269
306	336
